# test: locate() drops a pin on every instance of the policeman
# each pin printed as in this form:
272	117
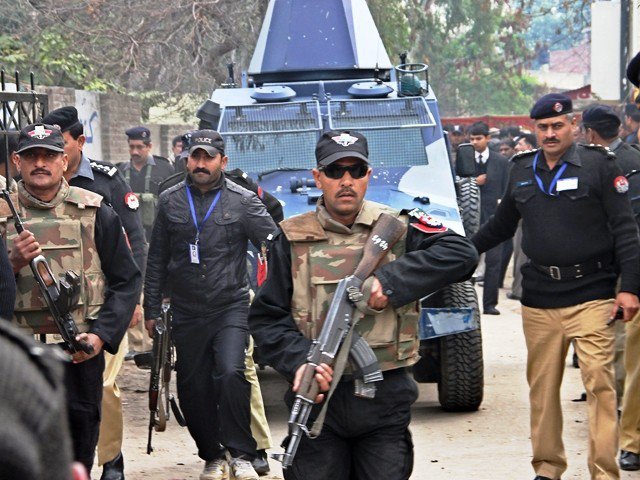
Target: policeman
105	179
144	173
198	252
81	234
361	438
579	234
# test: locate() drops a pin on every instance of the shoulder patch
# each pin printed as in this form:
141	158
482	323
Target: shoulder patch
132	201
303	228
83	198
600	148
425	223
109	170
524	153
621	184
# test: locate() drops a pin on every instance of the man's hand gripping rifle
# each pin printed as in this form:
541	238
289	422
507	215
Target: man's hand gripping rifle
160	398
338	326
60	295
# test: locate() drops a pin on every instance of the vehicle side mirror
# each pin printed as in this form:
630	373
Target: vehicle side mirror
465	160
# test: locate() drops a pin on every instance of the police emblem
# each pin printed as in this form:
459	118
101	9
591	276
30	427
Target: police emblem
621	184
131	201
426	223
40	132
344	139
557	107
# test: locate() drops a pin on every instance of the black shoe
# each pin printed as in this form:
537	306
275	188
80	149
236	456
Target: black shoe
113	470
260	463
540	477
511	296
629	461
491	311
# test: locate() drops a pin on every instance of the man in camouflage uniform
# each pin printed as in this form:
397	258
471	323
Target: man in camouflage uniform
78	233
362	438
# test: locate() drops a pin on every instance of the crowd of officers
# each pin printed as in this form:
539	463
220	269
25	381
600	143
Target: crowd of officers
183	230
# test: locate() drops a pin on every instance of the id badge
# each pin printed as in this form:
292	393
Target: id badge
194	253
565	184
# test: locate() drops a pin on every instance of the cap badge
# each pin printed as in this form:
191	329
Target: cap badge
131	201
557	107
202	140
344	139
40	132
621	184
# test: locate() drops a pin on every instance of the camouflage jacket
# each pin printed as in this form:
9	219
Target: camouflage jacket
64	228
332	252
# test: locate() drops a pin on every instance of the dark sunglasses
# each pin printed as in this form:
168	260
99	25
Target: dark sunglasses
337	171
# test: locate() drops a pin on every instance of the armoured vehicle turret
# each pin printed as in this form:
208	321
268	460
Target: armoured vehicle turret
319	65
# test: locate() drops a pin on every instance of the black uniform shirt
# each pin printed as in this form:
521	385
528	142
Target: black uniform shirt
160	167
627	156
585	223
431	262
104	179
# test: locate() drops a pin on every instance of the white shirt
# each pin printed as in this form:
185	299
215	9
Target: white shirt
482	157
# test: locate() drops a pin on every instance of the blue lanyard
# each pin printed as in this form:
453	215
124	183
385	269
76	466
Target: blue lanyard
553	182
193	212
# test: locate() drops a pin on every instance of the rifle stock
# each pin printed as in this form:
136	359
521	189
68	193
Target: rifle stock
339	322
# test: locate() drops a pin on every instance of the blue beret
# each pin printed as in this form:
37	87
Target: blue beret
600	116
65	118
551	105
633	70
138	133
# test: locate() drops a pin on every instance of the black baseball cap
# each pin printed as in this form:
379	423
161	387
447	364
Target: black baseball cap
334	145
40	135
551	105
208	140
65	118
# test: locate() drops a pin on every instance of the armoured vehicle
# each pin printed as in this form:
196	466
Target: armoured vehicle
321	64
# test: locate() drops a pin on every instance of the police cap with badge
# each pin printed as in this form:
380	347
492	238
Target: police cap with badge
551	105
139	133
208	140
602	119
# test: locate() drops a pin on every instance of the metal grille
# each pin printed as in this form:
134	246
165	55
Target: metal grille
263	152
271	118
372	114
19	108
396	148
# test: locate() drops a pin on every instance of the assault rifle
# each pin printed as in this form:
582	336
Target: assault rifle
339	324
60	295
160	398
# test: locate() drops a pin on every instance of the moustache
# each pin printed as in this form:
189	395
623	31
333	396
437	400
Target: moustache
346	191
545	142
201	170
40	172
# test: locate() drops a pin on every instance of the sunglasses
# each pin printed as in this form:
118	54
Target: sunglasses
337	171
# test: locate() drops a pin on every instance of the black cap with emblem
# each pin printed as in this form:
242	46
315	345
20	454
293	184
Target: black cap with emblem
40	135
138	133
208	140
65	118
602	119
551	105
334	145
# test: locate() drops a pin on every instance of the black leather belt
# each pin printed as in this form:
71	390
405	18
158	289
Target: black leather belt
572	271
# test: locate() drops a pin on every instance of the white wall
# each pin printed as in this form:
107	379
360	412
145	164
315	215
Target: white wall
605	49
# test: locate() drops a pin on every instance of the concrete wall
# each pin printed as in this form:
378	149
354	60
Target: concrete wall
115	114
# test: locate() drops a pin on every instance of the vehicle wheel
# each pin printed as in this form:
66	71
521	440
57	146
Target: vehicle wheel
469	204
461	384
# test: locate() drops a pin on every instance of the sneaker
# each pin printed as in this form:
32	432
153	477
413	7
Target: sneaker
242	469
214	470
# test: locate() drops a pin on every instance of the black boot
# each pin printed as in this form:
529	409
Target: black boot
113	470
260	463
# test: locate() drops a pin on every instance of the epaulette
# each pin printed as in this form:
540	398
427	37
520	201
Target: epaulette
601	148
173	188
170	181
82	197
524	153
106	168
635	146
161	159
234	187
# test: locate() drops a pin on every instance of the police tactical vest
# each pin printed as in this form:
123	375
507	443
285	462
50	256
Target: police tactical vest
321	257
65	230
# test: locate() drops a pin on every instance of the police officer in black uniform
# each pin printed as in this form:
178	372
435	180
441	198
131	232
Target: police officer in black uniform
105	179
602	126
580	235
144	173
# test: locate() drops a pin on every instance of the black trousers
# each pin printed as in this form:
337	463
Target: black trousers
83	382
493	261
213	391
362	439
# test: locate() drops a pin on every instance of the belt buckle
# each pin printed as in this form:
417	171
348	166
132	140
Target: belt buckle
554	272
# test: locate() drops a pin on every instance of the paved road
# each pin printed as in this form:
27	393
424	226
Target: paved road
491	444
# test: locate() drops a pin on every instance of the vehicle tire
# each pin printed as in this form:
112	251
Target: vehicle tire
461	384
469	204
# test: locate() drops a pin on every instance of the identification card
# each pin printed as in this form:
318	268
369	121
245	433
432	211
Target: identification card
567	184
194	253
